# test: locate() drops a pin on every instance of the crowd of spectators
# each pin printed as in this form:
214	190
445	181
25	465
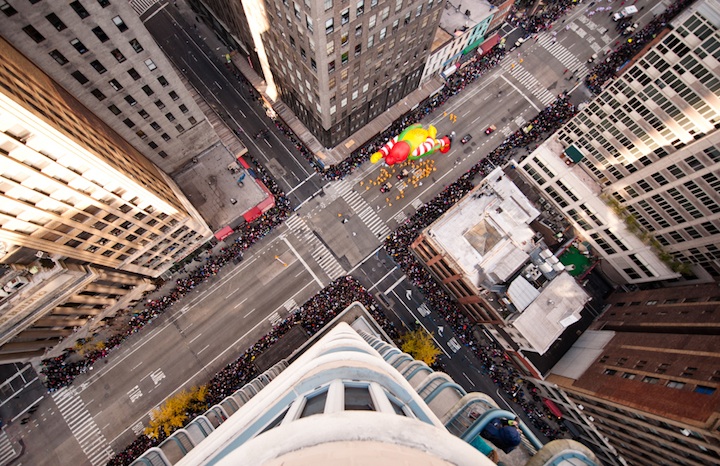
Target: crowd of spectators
60	371
311	316
624	52
471	70
544	20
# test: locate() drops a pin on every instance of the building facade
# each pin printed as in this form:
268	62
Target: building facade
45	301
337	64
649	144
460	32
72	187
102	54
643	383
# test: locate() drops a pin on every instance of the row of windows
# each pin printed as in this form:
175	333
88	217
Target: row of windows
8	10
703	389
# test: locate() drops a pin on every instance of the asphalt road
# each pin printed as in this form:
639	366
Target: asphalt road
222	317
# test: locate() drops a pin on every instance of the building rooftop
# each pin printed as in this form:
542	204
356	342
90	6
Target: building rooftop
462	15
551	310
488	232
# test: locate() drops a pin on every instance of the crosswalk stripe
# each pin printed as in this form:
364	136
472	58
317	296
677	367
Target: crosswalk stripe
83	427
7	450
321	254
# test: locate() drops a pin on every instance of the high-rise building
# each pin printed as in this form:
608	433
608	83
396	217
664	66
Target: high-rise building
72	187
638	169
83	215
353	398
643	384
336	64
102	54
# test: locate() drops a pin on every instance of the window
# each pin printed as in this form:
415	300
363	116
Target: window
162	154
628	375
152	145
180	128
192	120
150	64
314	404
113	108
331	66
145	115
651	380
173	95
59	57
328	4
35	34
136	45
80	77
129	99
676	385
155	126
170	116
345	16
115	84
79	9
358	399
9	10
98	66
56	22
704	390
329	26
98	95
100	34
609	372
183	108
147	90
120	24
79	46
159	104
134	74
344	58
118	55
128	122
165	137
360	8
104	3
163	82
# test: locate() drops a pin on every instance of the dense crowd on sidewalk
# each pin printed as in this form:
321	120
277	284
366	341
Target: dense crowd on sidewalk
620	56
473	69
312	316
61	371
542	21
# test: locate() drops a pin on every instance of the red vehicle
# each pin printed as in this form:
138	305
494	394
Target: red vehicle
490	129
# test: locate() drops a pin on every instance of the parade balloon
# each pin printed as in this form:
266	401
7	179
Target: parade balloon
413	143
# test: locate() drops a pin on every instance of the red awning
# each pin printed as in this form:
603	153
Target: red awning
553	408
252	214
223	233
489	43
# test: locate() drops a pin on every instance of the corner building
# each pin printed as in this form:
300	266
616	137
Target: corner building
72	187
102	54
337	64
650	144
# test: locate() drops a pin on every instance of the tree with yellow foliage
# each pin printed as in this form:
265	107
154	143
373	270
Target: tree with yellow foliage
174	413
420	345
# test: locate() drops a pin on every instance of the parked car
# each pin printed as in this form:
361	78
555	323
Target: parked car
490	129
466	139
